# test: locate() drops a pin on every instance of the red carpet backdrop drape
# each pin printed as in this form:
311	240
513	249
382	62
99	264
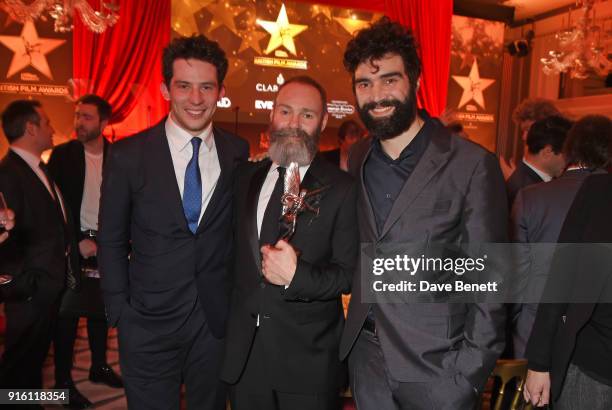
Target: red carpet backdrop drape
123	64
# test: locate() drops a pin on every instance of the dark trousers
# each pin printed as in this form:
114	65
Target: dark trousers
580	391
154	366
374	388
29	326
64	338
254	392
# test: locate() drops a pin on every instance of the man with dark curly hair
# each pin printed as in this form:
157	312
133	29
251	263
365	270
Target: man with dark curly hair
164	241
418	183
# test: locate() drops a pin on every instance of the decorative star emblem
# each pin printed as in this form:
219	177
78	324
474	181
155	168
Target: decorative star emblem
324	10
224	14
473	86
30	50
281	32
183	15
251	40
352	24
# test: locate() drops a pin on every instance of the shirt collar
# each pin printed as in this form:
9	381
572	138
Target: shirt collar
545	177
416	146
31	159
180	138
303	169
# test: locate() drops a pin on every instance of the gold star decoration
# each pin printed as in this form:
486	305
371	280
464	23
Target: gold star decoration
223	15
324	10
183	15
473	86
30	50
281	32
352	24
251	40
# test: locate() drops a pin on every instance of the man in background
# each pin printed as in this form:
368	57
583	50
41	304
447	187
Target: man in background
37	254
543	158
76	166
349	133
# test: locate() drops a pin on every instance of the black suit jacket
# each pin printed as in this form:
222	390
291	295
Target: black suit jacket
302	324
35	253
454	195
67	167
169	267
552	341
520	178
332	156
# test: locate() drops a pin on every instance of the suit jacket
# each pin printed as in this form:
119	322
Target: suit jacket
35	253
332	156
520	178
169	268
67	167
454	195
537	217
300	326
552	341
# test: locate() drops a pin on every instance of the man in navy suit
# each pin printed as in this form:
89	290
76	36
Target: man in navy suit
165	235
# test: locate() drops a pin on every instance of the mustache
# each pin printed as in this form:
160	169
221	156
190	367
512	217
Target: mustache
289	132
381	104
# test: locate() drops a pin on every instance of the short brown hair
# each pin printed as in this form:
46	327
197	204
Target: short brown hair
534	109
589	141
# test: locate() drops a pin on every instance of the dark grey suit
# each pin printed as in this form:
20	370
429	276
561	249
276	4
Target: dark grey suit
522	176
537	217
454	195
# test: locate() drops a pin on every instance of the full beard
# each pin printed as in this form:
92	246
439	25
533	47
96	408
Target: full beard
289	145
84	135
389	127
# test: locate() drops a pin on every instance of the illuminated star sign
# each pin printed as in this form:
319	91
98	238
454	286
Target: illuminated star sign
473	86
30	50
281	32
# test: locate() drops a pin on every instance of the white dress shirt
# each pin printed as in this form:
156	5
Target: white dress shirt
545	177
34	163
90	204
266	191
181	151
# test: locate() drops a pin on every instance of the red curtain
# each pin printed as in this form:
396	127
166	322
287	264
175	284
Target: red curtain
123	64
431	23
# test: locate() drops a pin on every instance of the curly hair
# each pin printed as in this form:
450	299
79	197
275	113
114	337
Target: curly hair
549	131
589	142
196	47
382	38
534	109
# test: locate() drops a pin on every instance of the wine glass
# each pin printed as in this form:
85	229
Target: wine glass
4	278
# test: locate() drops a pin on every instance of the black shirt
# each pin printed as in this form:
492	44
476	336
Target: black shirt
384	177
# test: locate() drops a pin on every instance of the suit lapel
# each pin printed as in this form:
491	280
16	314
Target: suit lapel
364	200
255	185
434	158
226	164
37	184
161	160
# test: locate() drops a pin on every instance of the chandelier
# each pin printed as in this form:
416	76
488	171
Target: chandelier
579	50
62	12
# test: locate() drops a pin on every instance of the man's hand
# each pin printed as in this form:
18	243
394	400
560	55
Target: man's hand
507	167
88	248
279	263
537	388
7	220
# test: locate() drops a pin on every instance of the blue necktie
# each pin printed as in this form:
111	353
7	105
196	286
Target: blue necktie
192	192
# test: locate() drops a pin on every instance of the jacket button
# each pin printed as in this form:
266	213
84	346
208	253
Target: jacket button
262	285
